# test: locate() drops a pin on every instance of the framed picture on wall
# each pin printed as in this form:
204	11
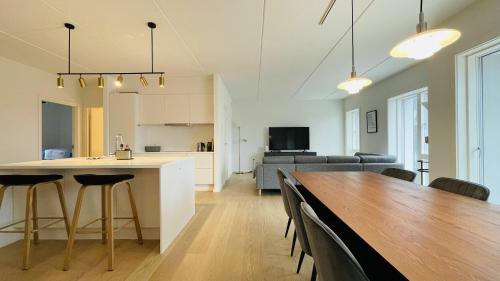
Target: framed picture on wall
371	121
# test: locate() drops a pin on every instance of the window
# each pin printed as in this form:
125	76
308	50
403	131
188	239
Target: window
408	128
352	131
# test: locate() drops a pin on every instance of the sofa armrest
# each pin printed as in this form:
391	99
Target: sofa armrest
259	178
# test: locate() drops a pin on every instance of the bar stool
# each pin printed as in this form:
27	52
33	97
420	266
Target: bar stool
107	184
33	182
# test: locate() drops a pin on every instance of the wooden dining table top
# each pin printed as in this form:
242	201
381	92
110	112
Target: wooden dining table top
425	233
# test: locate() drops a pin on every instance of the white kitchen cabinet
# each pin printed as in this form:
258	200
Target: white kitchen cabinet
176	109
201	109
204	176
152	109
203	160
122	118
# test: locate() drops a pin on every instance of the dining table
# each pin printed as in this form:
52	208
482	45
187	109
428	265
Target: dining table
400	230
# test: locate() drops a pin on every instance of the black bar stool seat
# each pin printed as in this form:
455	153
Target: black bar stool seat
31	218
108	183
23	180
91	179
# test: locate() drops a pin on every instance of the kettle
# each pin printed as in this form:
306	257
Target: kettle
200	146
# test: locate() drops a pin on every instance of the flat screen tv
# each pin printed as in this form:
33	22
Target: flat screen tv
288	138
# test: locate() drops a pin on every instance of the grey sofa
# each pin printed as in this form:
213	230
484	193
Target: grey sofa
266	173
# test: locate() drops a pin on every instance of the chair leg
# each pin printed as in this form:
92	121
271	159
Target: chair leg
302	254
2	192
74	225
109	229
103	214
27	225
62	202
35	215
134	213
313	274
288	226
293	242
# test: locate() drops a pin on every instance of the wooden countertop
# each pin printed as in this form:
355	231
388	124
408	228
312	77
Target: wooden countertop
84	163
425	233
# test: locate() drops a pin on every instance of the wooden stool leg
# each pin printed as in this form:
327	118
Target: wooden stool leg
134	213
27	225
62	201
35	216
2	192
74	225
103	214
109	229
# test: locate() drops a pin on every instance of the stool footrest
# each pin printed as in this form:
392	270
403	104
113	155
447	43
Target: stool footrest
56	220
82	229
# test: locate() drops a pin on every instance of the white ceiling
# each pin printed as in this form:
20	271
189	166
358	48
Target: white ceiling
263	49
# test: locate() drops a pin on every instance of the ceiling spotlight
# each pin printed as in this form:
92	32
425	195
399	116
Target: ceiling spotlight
161	79
119	81
82	82
60	82
143	80
100	82
425	43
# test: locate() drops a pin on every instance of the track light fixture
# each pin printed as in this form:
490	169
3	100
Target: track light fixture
100	79
425	43
119	81
143	81
82	82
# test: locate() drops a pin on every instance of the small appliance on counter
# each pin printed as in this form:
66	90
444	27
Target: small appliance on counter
152	148
125	154
210	146
200	147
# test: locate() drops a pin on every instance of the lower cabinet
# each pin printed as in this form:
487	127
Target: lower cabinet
204	164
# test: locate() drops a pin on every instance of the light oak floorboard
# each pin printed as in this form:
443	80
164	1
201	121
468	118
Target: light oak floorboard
235	235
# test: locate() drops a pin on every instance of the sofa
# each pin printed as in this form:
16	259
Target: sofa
266	173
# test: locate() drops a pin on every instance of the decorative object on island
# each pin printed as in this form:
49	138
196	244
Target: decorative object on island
354	84
371	122
119	79
425	43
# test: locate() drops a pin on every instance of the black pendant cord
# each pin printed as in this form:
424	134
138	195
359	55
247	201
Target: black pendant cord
69	50
421	5
152	54
352	36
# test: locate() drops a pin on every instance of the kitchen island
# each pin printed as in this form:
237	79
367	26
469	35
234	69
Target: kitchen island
163	188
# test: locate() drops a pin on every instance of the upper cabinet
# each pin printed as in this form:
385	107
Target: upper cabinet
201	109
176	109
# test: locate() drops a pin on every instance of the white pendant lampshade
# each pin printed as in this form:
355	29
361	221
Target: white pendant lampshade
354	85
425	43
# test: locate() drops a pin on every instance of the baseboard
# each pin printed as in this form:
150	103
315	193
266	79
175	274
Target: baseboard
204	187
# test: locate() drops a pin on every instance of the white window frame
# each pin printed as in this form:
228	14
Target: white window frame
350	146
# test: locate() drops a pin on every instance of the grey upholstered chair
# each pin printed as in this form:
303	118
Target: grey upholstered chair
281	178
295	198
400	174
331	256
461	187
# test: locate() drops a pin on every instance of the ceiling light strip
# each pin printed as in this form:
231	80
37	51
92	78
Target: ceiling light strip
261	48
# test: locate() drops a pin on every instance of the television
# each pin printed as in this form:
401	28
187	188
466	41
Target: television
288	138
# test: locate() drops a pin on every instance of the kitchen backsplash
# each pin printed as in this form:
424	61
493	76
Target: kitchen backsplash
174	138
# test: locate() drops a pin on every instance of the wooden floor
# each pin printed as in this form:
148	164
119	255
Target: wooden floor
235	235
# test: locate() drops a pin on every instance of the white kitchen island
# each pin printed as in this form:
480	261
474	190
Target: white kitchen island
163	188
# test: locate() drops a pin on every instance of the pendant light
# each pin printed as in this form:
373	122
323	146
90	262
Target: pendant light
425	43
119	79
354	84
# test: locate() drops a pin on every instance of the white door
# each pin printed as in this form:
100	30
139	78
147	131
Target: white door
490	129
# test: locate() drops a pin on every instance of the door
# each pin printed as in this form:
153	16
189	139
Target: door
95	131
57	131
489	128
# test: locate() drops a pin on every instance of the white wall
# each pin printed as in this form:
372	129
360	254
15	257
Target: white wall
478	23
325	119
222	133
23	88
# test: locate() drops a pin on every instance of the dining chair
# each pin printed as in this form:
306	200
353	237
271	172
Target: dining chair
281	178
295	198
400	174
461	187
334	261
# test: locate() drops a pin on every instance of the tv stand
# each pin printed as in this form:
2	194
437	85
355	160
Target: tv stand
289	153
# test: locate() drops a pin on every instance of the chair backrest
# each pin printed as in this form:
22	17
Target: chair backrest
281	178
461	187
294	199
400	174
332	258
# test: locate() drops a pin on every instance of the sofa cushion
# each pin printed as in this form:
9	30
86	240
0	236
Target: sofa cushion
304	159
278	160
328	167
365	153
378	159
343	159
